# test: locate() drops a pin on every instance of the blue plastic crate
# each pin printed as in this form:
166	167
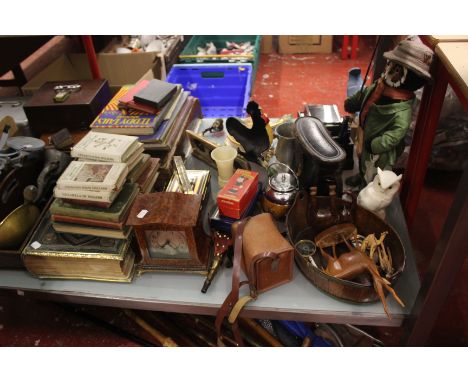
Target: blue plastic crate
223	90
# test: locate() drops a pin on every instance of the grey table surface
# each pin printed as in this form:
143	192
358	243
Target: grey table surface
176	292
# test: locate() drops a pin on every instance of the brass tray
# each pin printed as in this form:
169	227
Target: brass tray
299	227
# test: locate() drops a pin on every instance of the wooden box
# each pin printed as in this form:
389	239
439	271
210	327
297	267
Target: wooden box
75	113
305	44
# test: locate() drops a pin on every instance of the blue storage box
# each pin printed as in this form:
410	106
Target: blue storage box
223	90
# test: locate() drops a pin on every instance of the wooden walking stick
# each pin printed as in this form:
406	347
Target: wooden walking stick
210	326
167	324
258	329
160	337
187	323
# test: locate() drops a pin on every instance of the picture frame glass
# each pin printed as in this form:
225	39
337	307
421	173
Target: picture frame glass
163	244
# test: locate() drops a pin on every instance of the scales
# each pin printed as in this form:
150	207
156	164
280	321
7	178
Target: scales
15	227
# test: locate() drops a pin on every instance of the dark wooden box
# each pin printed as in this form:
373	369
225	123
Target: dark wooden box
77	112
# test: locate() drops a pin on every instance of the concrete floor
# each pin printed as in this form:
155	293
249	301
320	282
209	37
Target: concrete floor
283	85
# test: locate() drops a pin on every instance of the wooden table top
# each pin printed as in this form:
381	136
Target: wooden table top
433	40
454	56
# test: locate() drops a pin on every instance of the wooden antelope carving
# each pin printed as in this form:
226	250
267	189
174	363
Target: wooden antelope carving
353	263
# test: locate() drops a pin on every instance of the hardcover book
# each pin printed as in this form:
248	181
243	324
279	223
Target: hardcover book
131	122
160	135
126	101
89	222
50	254
148	176
79	229
88	203
115	213
104	147
185	116
147	187
139	168
93	176
135	158
157	93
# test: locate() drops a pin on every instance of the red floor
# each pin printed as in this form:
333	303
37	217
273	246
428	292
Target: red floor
283	85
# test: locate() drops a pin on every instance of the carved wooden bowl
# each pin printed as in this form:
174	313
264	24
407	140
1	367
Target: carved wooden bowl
302	225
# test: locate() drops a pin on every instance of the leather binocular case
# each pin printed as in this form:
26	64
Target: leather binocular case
266	258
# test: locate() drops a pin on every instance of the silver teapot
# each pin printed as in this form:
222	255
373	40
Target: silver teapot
280	193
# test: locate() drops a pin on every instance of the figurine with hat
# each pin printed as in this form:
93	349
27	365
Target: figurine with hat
385	108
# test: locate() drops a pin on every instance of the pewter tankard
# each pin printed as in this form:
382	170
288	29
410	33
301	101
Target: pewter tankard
287	146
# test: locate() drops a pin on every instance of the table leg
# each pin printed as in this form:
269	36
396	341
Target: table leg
423	138
344	48
354	47
446	263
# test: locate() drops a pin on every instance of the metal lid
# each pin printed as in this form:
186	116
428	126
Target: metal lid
25	143
283	182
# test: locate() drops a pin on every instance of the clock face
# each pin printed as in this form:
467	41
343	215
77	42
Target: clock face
167	244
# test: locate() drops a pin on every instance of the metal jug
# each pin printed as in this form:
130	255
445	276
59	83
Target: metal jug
287	146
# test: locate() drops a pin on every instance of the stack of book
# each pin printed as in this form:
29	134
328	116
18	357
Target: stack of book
138	109
156	112
115	148
69	256
84	234
94	191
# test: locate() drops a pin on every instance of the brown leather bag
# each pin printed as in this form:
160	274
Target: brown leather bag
266	258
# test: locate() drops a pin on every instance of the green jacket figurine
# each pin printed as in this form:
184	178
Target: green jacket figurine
384	131
385	107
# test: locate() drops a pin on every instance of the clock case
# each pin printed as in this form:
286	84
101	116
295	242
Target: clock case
171	211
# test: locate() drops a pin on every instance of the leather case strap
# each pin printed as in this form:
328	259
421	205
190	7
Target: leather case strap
233	297
232	306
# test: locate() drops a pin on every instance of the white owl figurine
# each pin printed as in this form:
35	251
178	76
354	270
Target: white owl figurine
379	193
